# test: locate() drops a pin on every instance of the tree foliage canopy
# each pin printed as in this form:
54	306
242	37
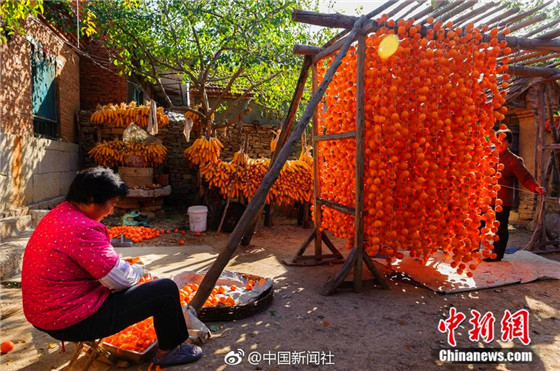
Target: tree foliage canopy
13	13
242	46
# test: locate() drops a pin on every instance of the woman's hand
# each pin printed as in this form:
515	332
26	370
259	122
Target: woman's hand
539	190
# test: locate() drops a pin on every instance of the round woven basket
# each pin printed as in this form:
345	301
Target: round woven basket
260	303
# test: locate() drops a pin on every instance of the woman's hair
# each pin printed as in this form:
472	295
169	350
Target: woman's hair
97	185
508	133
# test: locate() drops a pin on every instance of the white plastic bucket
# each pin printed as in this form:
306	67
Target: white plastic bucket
197	218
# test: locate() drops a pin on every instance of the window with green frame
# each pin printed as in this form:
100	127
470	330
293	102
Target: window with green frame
134	93
44	93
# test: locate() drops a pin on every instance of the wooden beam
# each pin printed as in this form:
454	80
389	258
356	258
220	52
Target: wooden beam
541	28
527	22
316	171
337	207
542	59
336	136
259	198
528	44
534	10
458	10
371	14
294	104
306	49
518	17
339	276
502	16
402	5
372	26
523	56
439	12
531	71
417	4
468	16
330	20
426	11
550	34
484	15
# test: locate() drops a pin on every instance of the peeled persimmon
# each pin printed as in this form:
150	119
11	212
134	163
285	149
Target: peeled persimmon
7	346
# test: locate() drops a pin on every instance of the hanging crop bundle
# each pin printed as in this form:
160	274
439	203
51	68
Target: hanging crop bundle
116	152
430	170
242	176
121	115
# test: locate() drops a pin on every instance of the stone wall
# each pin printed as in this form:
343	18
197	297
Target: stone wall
47	169
258	140
35	171
181	177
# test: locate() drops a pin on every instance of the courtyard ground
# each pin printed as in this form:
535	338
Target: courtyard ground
394	329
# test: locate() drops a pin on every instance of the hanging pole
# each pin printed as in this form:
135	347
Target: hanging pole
258	199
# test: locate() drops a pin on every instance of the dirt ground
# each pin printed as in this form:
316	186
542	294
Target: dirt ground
394	329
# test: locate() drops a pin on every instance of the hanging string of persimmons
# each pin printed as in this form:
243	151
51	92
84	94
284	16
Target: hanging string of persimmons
431	172
242	176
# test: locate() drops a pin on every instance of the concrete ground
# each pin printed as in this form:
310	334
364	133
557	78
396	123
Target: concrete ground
394	329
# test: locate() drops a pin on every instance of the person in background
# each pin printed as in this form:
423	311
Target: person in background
513	168
76	288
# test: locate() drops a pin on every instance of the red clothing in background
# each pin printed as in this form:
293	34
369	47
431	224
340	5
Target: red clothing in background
513	168
64	258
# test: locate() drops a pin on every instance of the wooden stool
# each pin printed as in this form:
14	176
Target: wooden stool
93	350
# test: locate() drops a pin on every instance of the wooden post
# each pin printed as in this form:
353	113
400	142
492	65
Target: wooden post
259	198
553	130
316	172
539	171
540	199
359	164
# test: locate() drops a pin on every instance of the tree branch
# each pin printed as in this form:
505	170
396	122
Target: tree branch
155	60
250	90
199	49
225	91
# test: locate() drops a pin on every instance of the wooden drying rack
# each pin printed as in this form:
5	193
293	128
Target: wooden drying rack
358	255
354	28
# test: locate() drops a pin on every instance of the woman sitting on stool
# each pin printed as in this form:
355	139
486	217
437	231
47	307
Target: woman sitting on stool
76	288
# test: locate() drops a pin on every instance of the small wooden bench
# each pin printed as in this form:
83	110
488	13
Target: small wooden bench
93	349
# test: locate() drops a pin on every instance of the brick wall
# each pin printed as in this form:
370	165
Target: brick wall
15	87
15	82
22	156
100	85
